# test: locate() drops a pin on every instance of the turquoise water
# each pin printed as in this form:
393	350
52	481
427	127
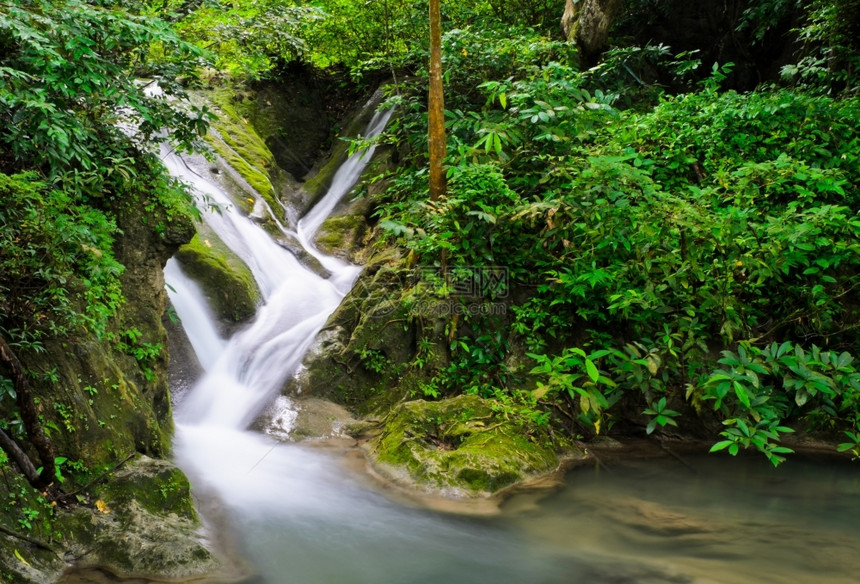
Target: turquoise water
717	520
648	521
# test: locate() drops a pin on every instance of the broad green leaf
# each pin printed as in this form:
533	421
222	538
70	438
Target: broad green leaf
592	370
723	444
742	394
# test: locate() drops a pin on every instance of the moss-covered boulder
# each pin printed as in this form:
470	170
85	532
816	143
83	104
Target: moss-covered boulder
372	354
459	446
236	140
143	524
225	279
342	234
138	521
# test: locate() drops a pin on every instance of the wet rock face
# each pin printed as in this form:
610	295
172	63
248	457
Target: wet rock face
226	281
295	115
459	446
104	399
303	419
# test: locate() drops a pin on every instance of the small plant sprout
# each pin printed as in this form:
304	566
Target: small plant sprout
663	416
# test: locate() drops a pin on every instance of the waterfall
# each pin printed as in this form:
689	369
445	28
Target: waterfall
248	372
199	323
342	183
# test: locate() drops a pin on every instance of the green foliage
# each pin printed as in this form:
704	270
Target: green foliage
686	221
477	363
250	39
663	416
474	54
80	130
69	93
576	375
853	445
74	112
831	49
7	389
759	389
657	236
60	275
144	353
627	73
370	35
28	517
373	360
392	35
541	14
465	222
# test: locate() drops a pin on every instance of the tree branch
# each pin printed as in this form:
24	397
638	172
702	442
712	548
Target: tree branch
29	416
25	465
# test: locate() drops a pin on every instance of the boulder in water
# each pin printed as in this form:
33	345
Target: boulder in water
458	447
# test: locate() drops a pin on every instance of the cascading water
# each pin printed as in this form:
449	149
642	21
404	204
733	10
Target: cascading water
188	300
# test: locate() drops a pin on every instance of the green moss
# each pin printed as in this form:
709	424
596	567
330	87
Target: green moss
157	486
236	140
227	282
317	185
340	233
459	443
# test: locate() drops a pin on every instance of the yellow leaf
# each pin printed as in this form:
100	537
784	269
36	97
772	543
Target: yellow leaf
102	506
206	243
584	404
540	391
597	426
21	558
653	365
93	250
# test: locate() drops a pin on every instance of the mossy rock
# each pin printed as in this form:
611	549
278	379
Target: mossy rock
21	561
360	358
316	186
157	485
141	523
367	357
226	280
239	144
458	446
293	120
342	234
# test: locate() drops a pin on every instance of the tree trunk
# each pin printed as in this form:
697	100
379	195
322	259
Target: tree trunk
19	457
589	26
568	19
30	417
436	107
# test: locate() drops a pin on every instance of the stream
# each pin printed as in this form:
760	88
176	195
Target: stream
308	515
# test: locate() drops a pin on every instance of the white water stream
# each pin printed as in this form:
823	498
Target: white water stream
301	517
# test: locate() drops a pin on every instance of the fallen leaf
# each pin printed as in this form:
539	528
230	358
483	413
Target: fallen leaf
21	558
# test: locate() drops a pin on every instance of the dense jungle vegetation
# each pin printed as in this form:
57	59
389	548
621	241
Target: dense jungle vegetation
674	202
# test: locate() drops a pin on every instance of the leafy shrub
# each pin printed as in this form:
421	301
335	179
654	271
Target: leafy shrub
59	273
654	238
